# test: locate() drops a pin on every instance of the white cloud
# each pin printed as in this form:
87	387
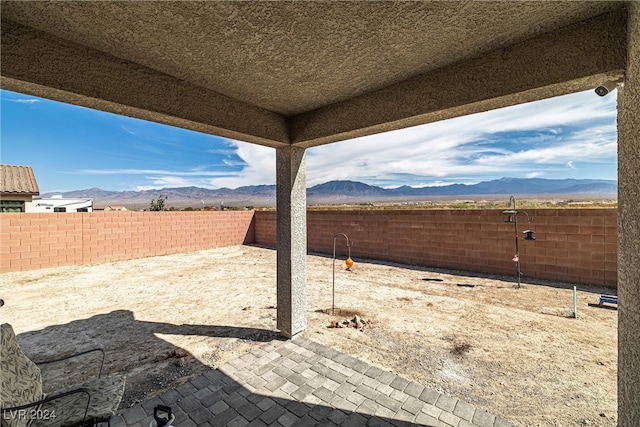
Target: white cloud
550	135
23	101
223	151
129	131
158	178
260	167
468	146
192	172
257	162
230	162
166	182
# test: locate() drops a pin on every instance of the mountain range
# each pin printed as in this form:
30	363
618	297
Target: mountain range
341	192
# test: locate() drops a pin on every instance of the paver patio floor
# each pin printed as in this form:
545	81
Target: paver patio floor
302	383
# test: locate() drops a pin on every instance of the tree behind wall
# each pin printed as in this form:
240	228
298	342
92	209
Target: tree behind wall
158	205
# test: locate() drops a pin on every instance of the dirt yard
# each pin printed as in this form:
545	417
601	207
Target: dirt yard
514	352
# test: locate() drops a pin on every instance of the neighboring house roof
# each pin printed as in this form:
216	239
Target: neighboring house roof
18	180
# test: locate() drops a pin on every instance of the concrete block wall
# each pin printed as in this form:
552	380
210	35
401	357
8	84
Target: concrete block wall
573	245
31	241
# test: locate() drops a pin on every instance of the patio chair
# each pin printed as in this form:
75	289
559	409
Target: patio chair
24	404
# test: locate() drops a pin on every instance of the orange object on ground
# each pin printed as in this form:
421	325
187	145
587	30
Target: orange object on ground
349	263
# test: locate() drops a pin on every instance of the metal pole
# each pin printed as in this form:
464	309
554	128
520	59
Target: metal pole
515	222
515	228
575	303
333	290
513	213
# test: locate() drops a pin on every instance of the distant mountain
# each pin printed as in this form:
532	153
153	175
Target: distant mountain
343	192
518	186
346	189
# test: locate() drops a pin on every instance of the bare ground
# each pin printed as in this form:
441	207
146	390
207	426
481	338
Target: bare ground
514	352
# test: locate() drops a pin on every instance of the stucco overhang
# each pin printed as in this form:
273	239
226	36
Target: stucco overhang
308	73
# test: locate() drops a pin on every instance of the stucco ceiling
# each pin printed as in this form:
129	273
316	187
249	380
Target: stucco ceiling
288	59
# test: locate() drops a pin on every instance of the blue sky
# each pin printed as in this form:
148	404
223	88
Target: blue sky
72	148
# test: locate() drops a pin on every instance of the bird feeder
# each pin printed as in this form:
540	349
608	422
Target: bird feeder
508	216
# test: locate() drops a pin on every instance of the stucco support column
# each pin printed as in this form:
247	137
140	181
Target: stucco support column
291	229
629	230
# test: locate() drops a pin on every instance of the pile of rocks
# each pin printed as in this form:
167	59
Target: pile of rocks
179	354
357	322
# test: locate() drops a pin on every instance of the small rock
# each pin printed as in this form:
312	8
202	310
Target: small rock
357	322
159	358
180	353
246	308
180	362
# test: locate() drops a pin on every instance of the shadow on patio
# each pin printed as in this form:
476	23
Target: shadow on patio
303	383
281	383
133	347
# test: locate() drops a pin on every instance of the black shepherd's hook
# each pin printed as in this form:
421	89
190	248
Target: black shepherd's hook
333	294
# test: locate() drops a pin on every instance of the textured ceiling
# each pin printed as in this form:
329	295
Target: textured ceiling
296	57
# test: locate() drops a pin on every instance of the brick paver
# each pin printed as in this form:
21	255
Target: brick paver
303	383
